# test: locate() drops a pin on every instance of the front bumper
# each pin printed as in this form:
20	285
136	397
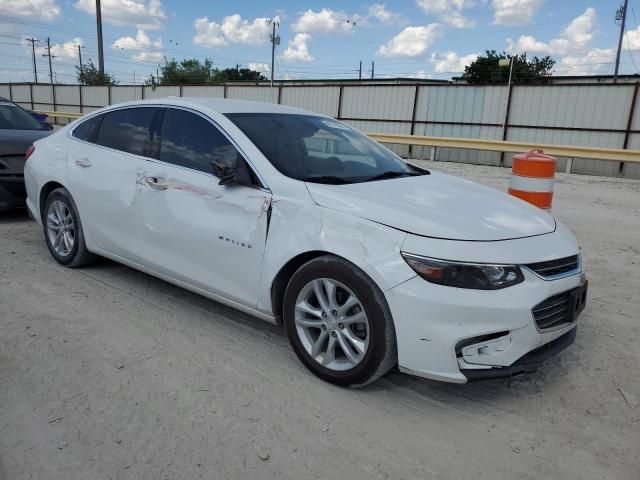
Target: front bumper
457	335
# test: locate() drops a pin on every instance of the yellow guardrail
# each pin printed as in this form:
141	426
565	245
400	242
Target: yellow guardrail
596	153
71	115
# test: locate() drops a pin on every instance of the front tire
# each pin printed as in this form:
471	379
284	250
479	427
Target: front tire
338	322
63	230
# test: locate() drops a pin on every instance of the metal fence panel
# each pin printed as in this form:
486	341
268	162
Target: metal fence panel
573	106
5	91
125	94
317	99
259	94
451	104
68	95
161	92
96	97
21	93
42	94
392	103
203	91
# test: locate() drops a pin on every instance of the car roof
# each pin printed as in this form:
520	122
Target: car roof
221	105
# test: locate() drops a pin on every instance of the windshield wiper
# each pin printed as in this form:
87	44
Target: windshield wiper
330	179
393	174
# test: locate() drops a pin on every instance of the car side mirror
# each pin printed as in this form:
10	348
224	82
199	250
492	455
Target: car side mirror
48	126
232	176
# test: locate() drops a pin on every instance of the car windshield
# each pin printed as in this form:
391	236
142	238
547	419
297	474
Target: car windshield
319	149
15	118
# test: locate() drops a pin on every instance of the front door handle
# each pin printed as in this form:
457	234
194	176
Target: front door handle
156	183
83	162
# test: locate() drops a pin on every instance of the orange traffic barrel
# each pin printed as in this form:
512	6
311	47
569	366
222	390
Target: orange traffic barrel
532	178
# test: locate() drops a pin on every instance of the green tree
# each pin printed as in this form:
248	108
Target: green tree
486	69
90	75
194	72
185	72
238	75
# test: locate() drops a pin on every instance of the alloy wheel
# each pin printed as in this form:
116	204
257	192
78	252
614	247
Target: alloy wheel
332	324
61	228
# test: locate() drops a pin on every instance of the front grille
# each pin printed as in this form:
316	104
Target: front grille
554	311
553	268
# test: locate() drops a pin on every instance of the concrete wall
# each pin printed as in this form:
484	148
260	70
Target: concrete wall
581	114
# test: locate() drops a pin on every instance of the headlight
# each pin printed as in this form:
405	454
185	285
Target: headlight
464	275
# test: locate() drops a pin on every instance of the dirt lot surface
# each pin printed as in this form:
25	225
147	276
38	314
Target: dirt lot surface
107	373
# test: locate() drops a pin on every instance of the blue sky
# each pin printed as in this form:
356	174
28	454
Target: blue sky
319	39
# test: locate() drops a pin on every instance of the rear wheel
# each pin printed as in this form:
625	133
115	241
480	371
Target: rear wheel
63	230
338	322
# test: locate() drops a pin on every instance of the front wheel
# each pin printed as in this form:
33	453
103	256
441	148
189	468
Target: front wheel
339	323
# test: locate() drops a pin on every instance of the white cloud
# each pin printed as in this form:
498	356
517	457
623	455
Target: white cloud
379	12
63	51
448	11
298	49
451	62
237	30
145	48
260	67
324	21
633	39
208	34
411	42
145	14
595	61
32	9
515	12
233	29
572	45
575	37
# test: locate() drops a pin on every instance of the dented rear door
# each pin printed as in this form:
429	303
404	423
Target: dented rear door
103	173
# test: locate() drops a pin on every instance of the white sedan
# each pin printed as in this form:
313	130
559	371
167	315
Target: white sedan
297	218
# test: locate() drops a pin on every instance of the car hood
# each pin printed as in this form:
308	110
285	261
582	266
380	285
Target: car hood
438	206
16	142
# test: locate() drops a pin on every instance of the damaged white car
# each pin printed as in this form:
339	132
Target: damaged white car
297	218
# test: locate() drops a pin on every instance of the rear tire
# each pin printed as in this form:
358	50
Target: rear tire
63	230
338	322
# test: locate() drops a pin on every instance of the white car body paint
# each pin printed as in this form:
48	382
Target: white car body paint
196	234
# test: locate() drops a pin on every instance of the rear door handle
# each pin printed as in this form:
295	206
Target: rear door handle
155	183
83	162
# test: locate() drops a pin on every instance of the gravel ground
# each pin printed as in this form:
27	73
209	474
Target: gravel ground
107	373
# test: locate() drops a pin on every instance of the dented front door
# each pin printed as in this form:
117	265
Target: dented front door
209	235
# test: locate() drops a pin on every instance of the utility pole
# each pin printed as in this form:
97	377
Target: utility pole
621	15
33	54
80	60
50	57
373	66
100	50
360	71
275	40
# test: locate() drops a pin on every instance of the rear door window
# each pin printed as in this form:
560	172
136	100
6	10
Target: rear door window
129	130
88	129
189	140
